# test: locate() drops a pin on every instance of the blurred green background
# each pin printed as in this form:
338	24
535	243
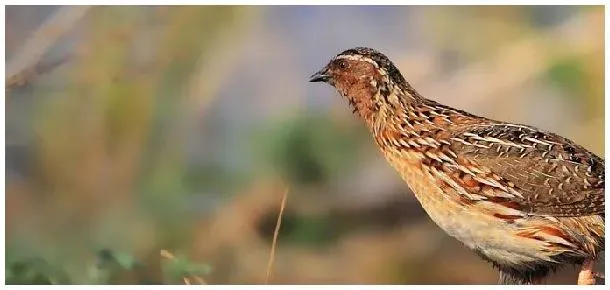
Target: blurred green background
135	129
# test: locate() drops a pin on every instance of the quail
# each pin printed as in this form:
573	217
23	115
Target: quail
527	200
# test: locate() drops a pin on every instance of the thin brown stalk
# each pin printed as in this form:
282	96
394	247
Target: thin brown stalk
275	235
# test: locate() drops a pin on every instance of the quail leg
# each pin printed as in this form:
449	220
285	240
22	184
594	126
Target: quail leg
586	275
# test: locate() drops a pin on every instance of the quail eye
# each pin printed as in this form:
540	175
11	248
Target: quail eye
343	64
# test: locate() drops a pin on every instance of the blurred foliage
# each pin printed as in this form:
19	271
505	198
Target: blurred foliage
110	268
90	139
314	231
292	148
569	75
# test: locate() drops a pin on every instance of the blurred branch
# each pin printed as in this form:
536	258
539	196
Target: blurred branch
23	66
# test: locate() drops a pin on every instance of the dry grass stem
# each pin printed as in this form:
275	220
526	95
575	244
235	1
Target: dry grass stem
275	235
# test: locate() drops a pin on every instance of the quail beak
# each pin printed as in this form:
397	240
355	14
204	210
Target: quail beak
320	76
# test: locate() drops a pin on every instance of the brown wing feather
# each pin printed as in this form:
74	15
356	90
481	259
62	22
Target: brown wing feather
553	175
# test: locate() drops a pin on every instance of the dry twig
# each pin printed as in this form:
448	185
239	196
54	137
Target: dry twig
275	235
